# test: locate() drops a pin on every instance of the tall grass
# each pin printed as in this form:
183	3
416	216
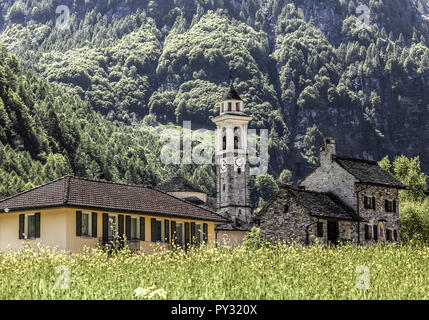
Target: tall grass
272	272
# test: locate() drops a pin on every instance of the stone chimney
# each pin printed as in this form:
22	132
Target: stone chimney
327	151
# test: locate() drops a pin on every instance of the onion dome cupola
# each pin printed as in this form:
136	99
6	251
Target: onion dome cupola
231	102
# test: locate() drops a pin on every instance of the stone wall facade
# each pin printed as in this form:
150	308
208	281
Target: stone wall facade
298	225
290	226
331	177
373	217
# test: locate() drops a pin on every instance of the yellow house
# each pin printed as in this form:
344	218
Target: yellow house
71	213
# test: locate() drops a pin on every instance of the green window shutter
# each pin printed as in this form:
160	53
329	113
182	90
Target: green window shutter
187	238
373	203
142	229
193	234
105	226
153	229
128	227
78	223
21	226
94	225
167	231
121	226
205	232
37	218
173	232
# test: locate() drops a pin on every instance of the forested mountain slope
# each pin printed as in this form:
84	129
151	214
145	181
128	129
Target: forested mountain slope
46	133
304	67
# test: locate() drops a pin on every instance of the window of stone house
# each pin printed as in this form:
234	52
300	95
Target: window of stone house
286	208
369	202
375	232
320	229
366	203
395	235
367	232
229	106
389	235
390	206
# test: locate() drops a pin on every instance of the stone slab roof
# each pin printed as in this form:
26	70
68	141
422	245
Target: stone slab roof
319	204
325	205
103	195
367	171
177	183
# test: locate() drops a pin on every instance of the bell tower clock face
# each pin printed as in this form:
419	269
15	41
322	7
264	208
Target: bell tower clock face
223	165
239	162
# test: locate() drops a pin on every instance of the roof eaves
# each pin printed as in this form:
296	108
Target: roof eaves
268	203
401	186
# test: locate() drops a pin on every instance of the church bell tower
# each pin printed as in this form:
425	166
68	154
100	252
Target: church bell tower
233	169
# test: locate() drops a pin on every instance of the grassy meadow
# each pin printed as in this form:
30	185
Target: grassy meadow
273	272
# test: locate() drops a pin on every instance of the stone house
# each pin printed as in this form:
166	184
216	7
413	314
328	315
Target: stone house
343	199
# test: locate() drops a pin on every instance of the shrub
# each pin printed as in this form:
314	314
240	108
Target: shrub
252	240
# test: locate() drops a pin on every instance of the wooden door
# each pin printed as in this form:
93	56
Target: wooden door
333	232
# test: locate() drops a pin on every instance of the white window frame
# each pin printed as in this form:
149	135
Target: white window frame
89	234
137	235
200	232
162	221
182	227
26	226
109	231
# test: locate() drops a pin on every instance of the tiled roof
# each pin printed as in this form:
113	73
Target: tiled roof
178	184
232	94
367	171
80	192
